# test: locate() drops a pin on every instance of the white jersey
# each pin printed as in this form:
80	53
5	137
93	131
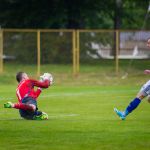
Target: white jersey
146	88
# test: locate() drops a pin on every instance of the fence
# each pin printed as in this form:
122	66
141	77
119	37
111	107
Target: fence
75	48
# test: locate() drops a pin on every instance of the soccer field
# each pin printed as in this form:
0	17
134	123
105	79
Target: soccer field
80	118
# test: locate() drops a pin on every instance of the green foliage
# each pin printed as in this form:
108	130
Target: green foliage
73	14
102	40
134	14
56	47
22	46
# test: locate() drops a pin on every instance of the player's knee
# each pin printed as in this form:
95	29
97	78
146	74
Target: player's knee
33	107
140	95
148	99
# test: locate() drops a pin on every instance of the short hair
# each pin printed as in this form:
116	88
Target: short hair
19	76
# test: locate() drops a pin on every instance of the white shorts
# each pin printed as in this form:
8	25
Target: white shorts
146	88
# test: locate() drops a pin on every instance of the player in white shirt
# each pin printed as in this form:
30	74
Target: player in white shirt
144	92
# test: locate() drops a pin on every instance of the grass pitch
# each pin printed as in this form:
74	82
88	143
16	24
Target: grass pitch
80	110
79	118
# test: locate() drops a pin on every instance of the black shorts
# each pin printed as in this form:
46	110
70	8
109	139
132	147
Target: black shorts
26	114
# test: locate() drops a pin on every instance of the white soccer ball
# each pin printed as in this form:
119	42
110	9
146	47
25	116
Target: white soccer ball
47	76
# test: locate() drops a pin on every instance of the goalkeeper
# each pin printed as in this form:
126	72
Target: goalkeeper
27	96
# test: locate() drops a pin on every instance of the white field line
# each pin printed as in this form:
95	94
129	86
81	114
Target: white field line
11	119
106	93
52	116
62	115
6	98
86	93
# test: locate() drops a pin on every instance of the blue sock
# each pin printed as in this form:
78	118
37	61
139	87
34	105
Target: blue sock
132	106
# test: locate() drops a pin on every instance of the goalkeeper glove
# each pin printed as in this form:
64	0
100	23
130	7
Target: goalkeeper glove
47	76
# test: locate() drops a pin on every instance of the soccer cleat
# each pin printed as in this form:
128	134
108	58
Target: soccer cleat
119	113
43	116
8	105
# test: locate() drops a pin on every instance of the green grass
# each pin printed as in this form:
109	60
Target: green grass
79	118
80	112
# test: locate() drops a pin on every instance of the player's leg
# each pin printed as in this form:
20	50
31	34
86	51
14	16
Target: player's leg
40	116
25	114
28	109
20	106
148	99
145	91
34	115
30	114
132	105
37	115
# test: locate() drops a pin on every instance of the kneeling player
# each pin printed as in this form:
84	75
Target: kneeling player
27	96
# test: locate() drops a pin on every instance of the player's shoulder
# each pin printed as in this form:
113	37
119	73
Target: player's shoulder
22	83
26	81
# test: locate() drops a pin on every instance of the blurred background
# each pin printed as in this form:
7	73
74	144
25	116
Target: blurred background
78	41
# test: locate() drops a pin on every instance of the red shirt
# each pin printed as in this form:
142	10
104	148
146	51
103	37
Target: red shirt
26	88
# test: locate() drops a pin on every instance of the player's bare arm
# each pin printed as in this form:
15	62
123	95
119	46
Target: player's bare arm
148	43
146	71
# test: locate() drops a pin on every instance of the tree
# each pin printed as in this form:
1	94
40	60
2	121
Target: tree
86	14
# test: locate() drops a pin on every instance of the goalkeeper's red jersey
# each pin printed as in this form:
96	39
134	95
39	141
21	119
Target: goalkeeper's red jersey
26	88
